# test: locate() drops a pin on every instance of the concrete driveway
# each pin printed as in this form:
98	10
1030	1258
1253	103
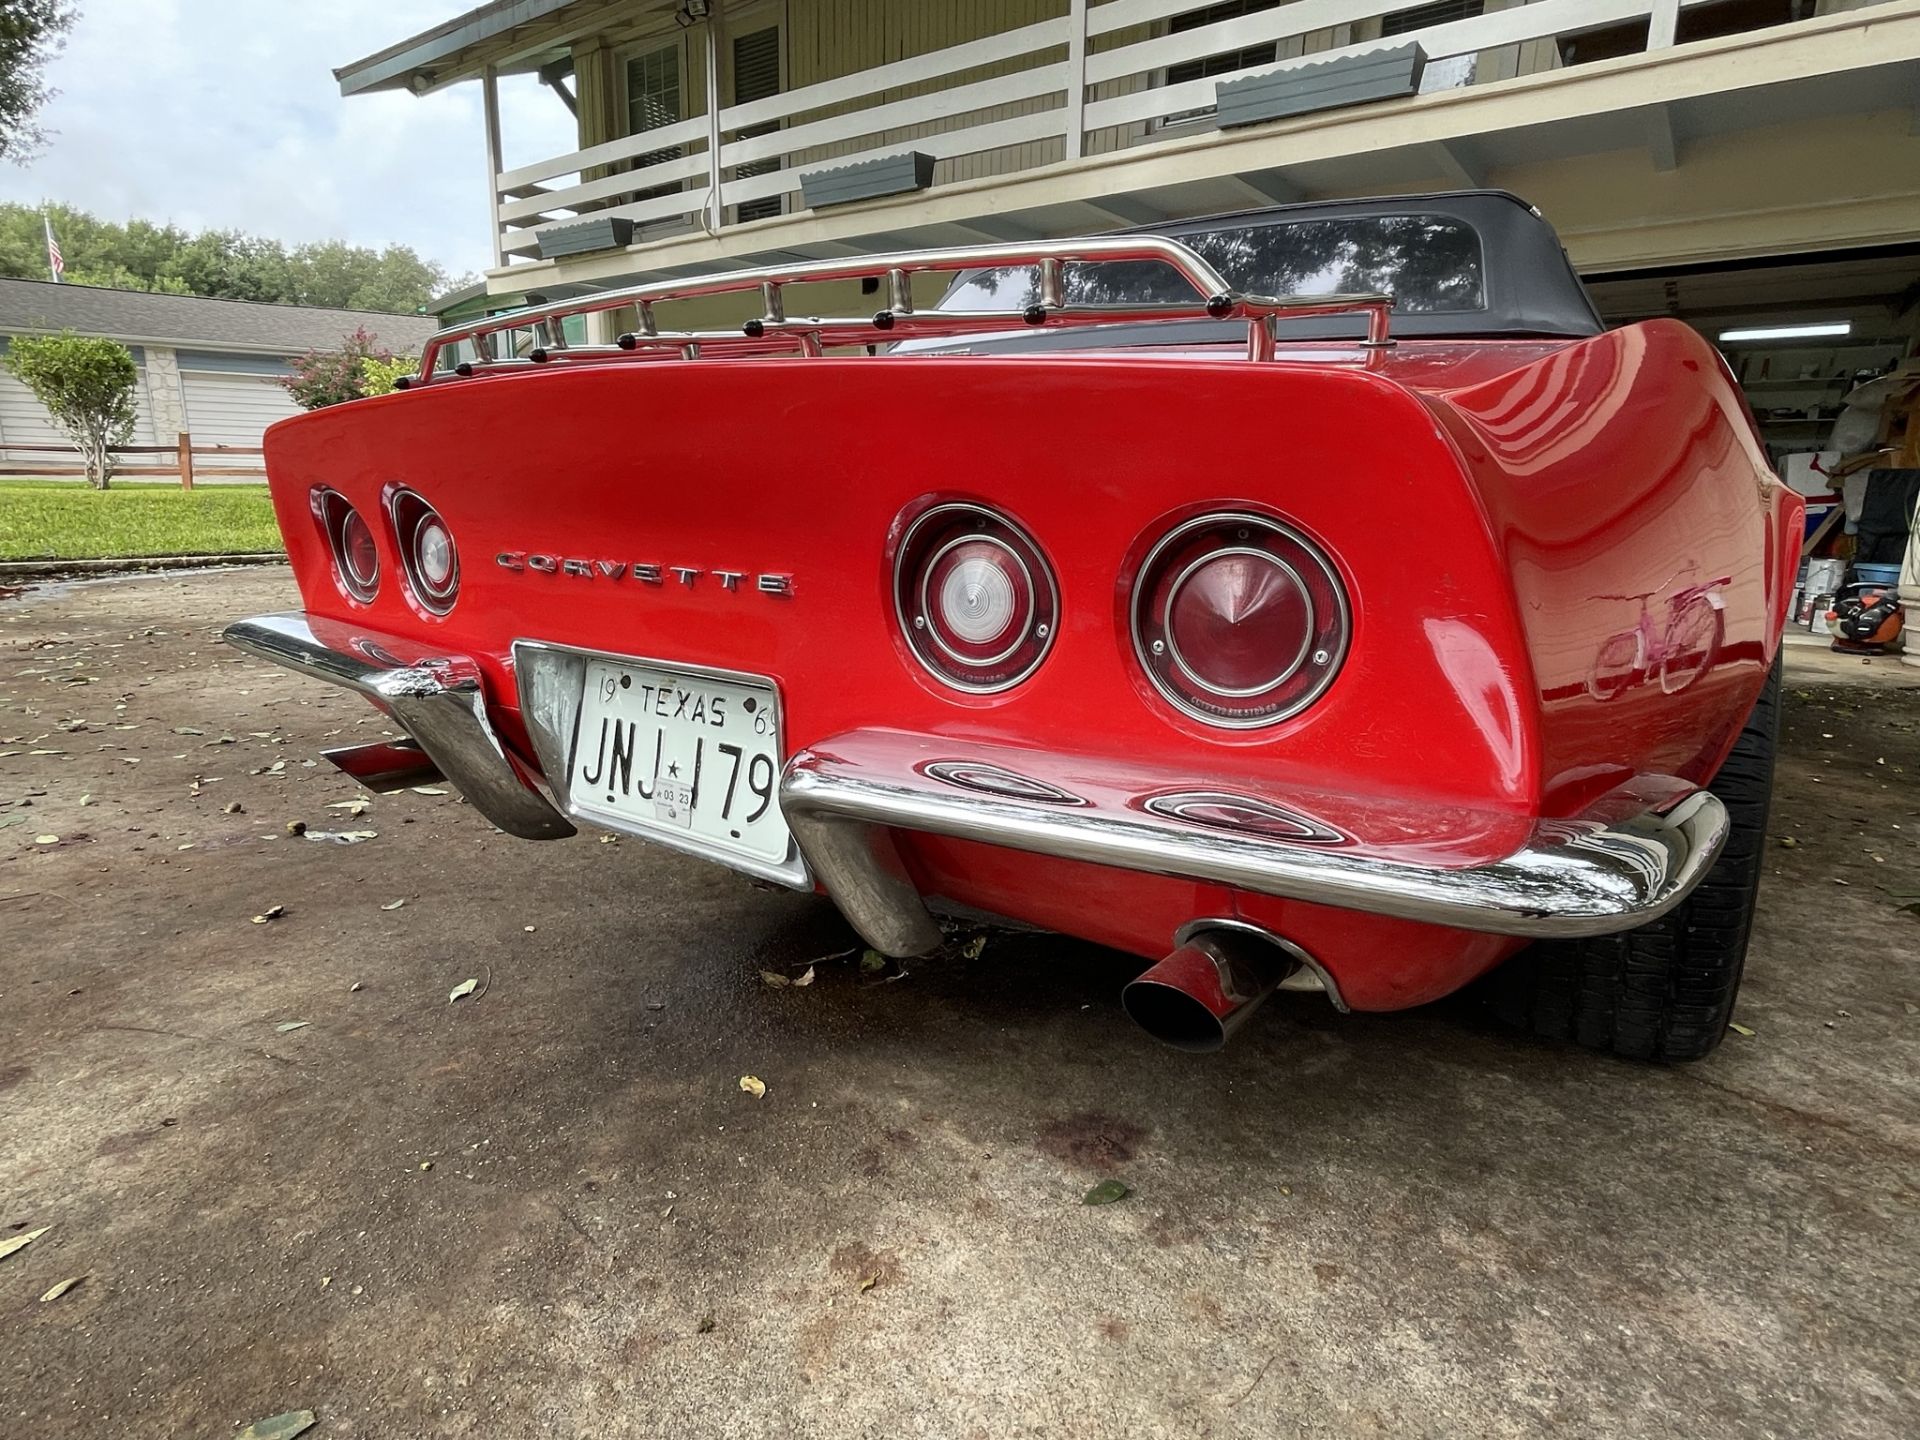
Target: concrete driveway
550	1210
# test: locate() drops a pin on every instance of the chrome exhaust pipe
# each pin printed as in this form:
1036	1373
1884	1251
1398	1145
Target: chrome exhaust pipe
1204	991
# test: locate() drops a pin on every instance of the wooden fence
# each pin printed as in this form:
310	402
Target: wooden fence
183	455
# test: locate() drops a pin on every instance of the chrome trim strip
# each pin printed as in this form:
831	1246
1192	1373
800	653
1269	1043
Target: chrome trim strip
439	701
552	677
774	332
1629	860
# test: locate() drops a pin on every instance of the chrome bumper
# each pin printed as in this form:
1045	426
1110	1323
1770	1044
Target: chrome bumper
1630	858
437	699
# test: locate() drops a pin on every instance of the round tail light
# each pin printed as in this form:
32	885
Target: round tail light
976	600
1239	620
356	560
427	551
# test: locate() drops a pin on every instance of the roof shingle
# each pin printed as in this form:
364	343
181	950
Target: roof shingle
194	320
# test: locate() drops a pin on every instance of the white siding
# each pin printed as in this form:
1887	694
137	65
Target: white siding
228	408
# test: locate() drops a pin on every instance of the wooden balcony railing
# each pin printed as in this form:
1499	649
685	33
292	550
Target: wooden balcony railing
1085	84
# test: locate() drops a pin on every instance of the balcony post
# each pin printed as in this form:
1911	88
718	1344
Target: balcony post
1076	78
1663	24
715	171
490	108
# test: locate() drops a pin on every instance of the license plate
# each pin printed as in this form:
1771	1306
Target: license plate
690	758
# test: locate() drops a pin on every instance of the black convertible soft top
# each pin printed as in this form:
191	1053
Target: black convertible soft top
1467	264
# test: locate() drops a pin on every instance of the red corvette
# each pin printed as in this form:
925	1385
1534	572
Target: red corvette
1316	598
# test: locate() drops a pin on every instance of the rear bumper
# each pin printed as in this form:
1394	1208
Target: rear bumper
1628	859
438	699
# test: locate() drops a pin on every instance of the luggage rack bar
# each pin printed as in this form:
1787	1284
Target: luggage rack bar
773	332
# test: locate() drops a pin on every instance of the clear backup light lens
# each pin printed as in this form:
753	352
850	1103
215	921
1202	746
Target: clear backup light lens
976	600
435	548
1239	620
356	560
427	550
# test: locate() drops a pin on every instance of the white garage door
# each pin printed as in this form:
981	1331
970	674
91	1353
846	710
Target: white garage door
233	405
23	420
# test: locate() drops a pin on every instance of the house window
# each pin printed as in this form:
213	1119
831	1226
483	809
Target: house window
756	76
1228	61
1422	16
654	100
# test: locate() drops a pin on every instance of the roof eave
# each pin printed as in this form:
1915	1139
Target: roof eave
436	53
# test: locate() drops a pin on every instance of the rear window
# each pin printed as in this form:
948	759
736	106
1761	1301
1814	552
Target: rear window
1430	264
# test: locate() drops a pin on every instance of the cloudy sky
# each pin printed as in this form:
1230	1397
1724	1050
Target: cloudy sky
225	114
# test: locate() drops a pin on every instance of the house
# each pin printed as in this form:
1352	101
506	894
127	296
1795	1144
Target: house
1743	164
208	367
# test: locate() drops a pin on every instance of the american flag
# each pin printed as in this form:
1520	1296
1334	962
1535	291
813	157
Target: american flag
54	263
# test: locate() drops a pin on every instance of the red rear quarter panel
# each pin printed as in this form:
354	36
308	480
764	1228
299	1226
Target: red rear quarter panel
1615	467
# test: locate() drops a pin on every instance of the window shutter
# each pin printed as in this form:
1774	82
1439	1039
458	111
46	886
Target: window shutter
756	76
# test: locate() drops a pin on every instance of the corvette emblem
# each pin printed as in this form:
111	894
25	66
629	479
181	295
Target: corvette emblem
641	572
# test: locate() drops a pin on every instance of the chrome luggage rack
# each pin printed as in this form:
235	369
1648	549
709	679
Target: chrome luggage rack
773	332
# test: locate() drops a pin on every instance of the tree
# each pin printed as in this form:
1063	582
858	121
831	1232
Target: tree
87	387
30	31
222	264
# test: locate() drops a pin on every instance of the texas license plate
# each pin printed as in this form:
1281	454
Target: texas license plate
689	757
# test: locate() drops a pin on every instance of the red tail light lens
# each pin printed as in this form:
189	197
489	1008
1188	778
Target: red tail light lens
356	560
976	599
427	550
1239	620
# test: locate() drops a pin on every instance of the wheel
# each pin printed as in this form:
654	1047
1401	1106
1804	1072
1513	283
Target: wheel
1664	991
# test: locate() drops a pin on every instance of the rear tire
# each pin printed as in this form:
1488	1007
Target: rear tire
1666	990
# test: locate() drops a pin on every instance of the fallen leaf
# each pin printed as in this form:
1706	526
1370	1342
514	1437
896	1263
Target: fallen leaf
872	962
187	730
428	790
1787	842
352	807
296	827
1739	1029
339	837
279	1427
754	1086
20	1242
973	948
46	839
58	1290
868	1282
356	985
464	988
285	1026
1105	1193
806	979
272	912
778	981
394	904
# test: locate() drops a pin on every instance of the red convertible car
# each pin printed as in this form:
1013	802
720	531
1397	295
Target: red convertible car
1316	598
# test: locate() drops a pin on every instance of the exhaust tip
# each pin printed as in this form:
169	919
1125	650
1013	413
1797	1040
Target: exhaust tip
1172	1016
1201	993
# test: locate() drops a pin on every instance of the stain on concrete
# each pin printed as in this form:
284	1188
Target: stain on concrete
1092	1140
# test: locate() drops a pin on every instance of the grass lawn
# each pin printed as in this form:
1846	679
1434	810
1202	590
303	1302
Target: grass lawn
49	520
